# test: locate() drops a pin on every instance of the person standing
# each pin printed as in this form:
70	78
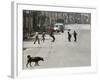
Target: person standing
43	36
51	32
37	38
62	29
75	36
52	35
69	36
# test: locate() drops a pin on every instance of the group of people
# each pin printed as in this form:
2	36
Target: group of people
70	36
50	32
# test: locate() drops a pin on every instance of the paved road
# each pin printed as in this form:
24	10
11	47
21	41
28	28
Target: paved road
61	53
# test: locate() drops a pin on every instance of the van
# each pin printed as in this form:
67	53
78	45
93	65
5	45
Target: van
58	27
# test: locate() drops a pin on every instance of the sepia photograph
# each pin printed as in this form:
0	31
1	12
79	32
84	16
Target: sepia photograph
55	39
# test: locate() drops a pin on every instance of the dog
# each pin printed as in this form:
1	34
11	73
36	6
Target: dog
33	59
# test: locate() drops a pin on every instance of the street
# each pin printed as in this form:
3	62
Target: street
61	53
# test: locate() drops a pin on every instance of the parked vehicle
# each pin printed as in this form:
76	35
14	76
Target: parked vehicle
58	27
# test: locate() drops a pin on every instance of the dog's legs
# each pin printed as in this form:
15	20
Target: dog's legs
30	64
36	63
27	64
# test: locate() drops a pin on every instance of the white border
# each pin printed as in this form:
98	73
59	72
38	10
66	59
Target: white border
17	41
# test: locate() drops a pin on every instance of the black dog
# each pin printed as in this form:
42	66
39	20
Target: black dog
33	59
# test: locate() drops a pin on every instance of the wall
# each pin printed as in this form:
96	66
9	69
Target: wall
5	41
